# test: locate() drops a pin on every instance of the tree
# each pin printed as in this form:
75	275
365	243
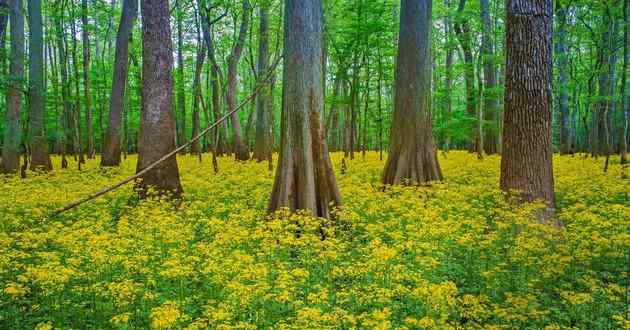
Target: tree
304	175
12	133
563	79
111	150
40	160
412	156
86	79
240	149
181	94
490	95
624	88
157	131
263	147
526	165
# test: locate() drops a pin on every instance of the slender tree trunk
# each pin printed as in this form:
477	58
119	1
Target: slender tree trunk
240	149
490	94
606	82
412	158
195	148
181	82
379	104
76	114
263	147
364	144
68	136
563	79
5	9
462	30
526	164
624	87
40	160
86	80
13	131
304	175
111	150
448	68
157	131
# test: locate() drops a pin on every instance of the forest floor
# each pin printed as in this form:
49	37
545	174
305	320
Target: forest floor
449	255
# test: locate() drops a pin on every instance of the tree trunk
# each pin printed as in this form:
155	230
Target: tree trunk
13	131
263	147
76	114
490	94
623	143
40	160
526	165
181	82
111	148
448	68
86	80
157	131
563	80
68	136
240	149
605	83
304	175
412	157
5	9
462	30
195	148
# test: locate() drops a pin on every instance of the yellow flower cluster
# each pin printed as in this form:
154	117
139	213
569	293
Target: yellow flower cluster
447	255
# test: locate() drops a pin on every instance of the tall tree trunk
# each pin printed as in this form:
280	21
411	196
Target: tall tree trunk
195	148
76	114
304	175
40	160
181	82
605	83
111	149
526	165
623	143
490	94
379	104
563	79
157	131
263	147
13	131
5	9
462	30
240	149
68	137
448	68
86	79
412	158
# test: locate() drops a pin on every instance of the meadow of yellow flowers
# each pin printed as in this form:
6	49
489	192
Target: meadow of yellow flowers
451	255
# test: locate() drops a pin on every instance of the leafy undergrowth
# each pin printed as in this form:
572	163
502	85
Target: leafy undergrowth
449	255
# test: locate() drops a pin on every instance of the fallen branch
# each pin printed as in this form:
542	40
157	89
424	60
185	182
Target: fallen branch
172	153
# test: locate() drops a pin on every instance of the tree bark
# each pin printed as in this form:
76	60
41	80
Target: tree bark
448	68
263	147
304	175
195	148
412	158
40	160
490	94
13	131
111	148
526	165
157	131
240	149
86	79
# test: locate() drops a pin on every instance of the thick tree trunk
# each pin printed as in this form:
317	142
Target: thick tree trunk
490	94
13	131
86	80
157	131
304	175
526	164
40	160
263	147
240	149
623	143
111	148
462	30
412	157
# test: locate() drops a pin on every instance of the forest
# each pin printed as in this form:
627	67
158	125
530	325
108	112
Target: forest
314	164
